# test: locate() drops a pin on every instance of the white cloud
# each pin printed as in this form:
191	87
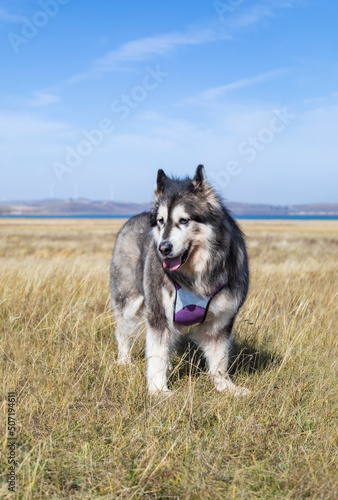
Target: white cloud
244	16
141	50
213	93
299	165
29	145
7	17
162	44
321	99
18	125
41	99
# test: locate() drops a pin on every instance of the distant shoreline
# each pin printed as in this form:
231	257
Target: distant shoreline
127	216
82	208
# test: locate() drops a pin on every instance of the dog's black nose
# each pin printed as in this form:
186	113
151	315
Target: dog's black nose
165	247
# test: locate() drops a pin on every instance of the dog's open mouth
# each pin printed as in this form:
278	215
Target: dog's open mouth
176	262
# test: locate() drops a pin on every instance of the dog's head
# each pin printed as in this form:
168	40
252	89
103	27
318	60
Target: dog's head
184	221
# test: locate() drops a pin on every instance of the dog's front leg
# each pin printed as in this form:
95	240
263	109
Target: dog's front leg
157	354
216	351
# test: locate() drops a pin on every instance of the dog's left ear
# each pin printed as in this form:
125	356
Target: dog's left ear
202	186
160	182
199	179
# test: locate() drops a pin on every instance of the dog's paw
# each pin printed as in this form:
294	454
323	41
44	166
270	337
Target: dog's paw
223	384
156	390
159	392
164	395
241	391
124	360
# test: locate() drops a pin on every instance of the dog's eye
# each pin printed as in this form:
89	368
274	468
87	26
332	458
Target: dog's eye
160	220
183	221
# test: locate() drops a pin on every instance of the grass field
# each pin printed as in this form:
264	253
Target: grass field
87	427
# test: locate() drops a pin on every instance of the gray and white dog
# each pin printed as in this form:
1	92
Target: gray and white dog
183	267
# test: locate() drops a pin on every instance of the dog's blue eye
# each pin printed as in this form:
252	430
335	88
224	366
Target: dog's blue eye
183	221
160	221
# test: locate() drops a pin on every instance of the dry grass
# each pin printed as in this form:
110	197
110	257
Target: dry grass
88	429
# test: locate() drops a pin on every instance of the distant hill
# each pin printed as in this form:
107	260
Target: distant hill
264	209
71	207
84	206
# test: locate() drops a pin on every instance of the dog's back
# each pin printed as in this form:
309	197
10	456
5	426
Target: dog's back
126	272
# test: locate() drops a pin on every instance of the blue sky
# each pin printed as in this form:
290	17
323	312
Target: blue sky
96	96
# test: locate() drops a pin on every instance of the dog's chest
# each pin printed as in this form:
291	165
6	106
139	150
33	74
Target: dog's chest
193	310
216	311
189	309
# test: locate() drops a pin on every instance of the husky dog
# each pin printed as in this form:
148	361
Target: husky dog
184	267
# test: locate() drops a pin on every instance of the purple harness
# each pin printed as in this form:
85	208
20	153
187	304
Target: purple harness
189	308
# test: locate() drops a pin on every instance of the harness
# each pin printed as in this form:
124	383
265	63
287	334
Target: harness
189	308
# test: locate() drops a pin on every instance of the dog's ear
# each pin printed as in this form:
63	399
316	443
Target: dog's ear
202	187
160	182
199	179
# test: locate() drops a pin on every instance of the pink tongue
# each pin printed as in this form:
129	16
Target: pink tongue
172	264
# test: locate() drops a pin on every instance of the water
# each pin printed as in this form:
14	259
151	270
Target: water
288	217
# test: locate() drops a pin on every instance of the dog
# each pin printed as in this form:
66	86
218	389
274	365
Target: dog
182	266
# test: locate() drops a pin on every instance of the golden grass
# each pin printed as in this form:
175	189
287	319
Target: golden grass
88	429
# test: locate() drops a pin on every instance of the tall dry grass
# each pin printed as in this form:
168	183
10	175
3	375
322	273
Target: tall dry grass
87	427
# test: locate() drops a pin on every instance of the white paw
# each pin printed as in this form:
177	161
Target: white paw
124	359
163	394
223	384
158	389
241	391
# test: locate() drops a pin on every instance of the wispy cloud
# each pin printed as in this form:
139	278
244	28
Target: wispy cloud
130	52
245	15
321	99
7	17
311	100
162	44
213	93
41	99
142	50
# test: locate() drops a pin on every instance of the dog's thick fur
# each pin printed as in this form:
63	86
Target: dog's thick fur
188	224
